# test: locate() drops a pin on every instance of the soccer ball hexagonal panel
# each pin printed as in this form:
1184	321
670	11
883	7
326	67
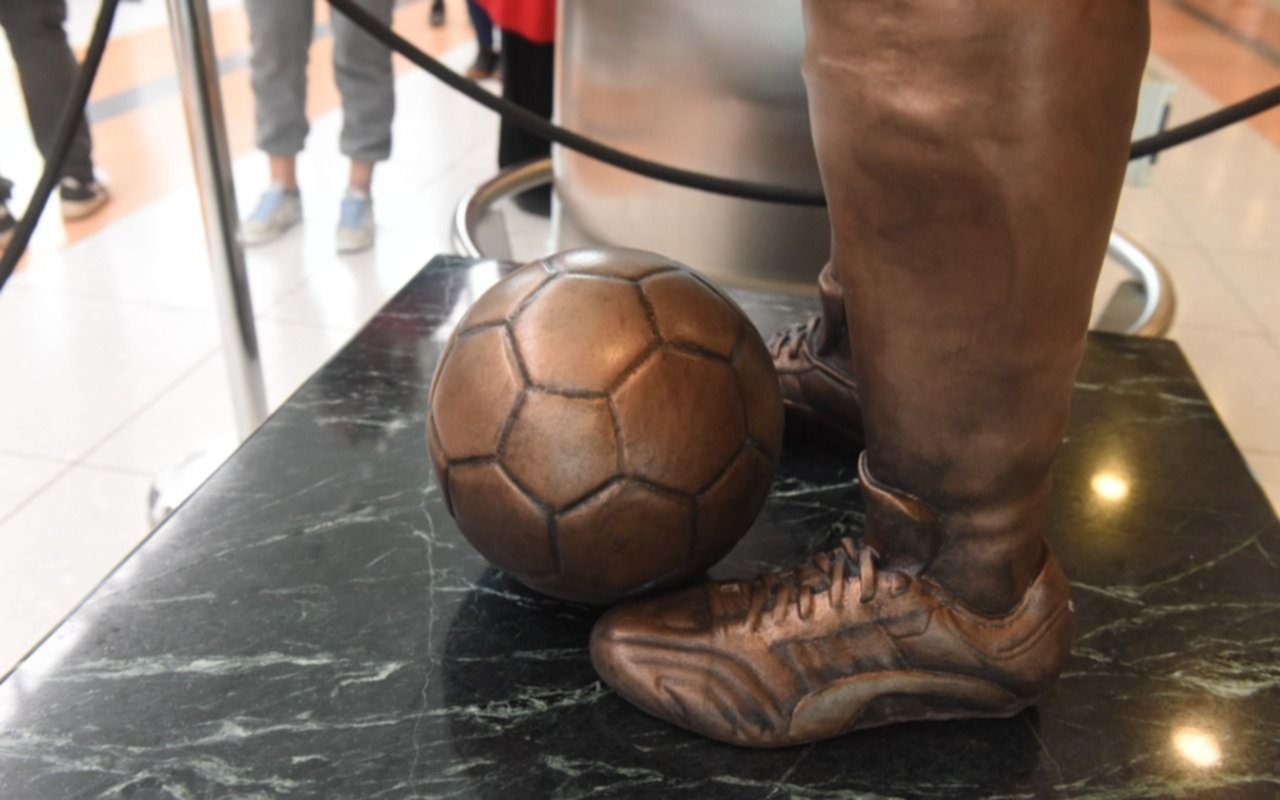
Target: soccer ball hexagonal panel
501	521
581	332
561	448
689	312
603	543
504	297
476	389
681	419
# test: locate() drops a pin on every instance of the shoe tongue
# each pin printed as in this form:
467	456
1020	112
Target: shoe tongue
734	599
687	610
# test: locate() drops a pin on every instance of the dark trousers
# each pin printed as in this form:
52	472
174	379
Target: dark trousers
527	78
482	24
47	70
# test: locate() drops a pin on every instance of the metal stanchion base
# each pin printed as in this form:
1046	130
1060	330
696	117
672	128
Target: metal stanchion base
171	487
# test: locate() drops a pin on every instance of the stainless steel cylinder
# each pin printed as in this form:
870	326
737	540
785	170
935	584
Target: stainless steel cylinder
202	101
709	85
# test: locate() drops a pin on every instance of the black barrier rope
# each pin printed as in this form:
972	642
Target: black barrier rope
532	123
1209	123
72	116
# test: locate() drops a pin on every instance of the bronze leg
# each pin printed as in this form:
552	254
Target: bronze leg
972	153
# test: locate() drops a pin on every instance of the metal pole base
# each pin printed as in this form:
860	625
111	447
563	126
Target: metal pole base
173	486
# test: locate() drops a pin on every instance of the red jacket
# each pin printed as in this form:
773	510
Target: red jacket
535	20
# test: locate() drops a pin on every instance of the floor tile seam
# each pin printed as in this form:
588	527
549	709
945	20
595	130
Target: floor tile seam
259	314
1180	324
306	324
32	456
1223	28
1274	341
1241	297
1244	251
1153	243
1179	327
465	153
263	314
1207	252
169	387
88	294
35	493
117	470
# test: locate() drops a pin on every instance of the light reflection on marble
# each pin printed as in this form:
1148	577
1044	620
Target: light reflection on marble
310	624
1198	747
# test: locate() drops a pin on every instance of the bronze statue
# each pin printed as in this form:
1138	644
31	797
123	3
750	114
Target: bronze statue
604	422
972	155
819	393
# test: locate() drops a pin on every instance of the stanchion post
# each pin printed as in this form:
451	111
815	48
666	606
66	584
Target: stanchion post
197	67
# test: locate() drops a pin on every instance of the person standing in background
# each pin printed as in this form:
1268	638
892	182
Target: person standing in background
47	70
486	63
280	37
528	77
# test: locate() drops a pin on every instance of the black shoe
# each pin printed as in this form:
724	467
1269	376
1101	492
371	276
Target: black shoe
535	201
80	198
485	66
437	14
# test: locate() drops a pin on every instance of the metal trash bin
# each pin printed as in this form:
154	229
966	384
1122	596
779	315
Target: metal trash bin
712	86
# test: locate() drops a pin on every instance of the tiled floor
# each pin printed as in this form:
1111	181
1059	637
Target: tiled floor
108	337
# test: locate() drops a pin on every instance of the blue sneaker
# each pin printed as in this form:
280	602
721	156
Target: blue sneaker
278	211
355	222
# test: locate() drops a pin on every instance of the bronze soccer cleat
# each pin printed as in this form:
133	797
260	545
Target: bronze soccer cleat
829	647
815	372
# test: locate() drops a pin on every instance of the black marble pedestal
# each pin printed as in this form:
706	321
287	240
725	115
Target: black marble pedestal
310	623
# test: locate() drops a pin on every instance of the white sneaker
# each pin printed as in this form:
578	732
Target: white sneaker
81	198
278	211
355	222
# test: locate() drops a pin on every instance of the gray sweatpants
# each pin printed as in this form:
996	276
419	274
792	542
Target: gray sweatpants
47	69
280	36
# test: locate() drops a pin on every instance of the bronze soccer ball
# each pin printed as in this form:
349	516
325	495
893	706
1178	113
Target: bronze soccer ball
604	422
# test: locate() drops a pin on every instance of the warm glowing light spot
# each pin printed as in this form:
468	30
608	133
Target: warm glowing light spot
1110	486
1197	746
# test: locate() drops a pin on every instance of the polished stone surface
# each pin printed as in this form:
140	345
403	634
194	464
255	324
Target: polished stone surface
311	624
